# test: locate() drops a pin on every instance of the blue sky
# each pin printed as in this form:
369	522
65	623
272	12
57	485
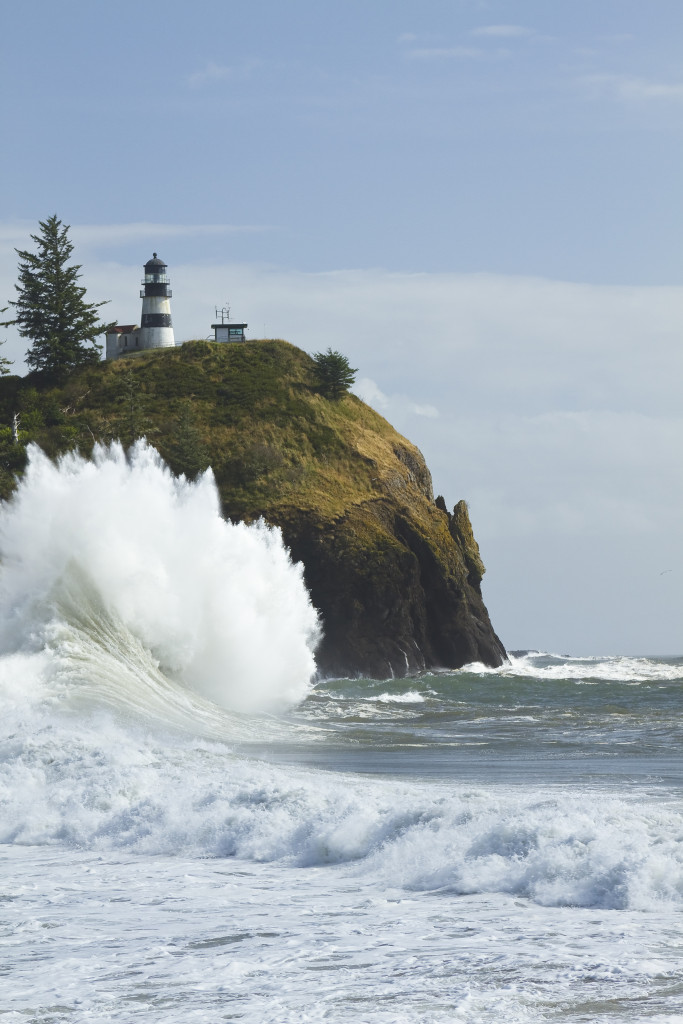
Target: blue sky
479	202
513	137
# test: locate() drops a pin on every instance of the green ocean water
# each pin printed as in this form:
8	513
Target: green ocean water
539	719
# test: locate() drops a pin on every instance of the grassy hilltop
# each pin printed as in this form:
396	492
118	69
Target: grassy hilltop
395	576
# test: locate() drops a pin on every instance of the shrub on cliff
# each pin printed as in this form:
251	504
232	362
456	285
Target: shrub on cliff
333	374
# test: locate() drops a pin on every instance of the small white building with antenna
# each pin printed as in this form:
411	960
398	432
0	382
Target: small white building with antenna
226	329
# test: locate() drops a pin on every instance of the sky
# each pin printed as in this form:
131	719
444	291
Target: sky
479	202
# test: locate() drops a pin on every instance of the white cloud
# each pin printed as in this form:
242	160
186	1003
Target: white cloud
593	473
212	73
371	394
430	411
502	31
440	52
100	236
629	88
17	233
367	390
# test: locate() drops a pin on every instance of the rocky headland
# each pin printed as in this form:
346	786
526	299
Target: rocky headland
395	575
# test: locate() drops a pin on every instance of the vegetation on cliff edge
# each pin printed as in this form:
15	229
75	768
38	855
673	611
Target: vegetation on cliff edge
252	411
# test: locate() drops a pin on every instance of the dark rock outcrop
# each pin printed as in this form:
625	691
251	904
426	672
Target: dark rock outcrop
398	588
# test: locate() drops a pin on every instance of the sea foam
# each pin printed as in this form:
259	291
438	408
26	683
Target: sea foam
607	668
92	784
117	558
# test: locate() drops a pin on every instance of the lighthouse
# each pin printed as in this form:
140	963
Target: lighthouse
156	330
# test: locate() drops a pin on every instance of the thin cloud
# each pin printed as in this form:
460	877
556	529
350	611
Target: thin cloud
18	231
631	89
120	234
440	52
369	392
213	73
430	411
502	31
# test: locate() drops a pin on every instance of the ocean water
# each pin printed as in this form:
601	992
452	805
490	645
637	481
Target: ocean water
194	828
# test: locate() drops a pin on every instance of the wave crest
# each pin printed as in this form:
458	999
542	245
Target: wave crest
118	553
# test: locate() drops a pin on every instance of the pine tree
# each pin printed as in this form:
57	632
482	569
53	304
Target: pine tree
333	373
188	453
51	309
5	363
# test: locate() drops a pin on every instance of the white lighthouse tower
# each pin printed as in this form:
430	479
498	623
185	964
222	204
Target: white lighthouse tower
156	329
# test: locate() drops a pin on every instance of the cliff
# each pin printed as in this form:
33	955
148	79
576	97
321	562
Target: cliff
395	576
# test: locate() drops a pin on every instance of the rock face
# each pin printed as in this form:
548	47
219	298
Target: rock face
397	581
395	576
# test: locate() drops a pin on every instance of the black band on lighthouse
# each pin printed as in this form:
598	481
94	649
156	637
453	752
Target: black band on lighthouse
156	320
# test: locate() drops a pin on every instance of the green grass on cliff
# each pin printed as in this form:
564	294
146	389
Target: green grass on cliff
251	411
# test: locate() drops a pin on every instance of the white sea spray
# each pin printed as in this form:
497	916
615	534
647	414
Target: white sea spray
116	557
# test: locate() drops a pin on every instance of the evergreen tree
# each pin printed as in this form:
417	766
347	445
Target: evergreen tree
333	373
188	453
51	309
5	363
132	420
